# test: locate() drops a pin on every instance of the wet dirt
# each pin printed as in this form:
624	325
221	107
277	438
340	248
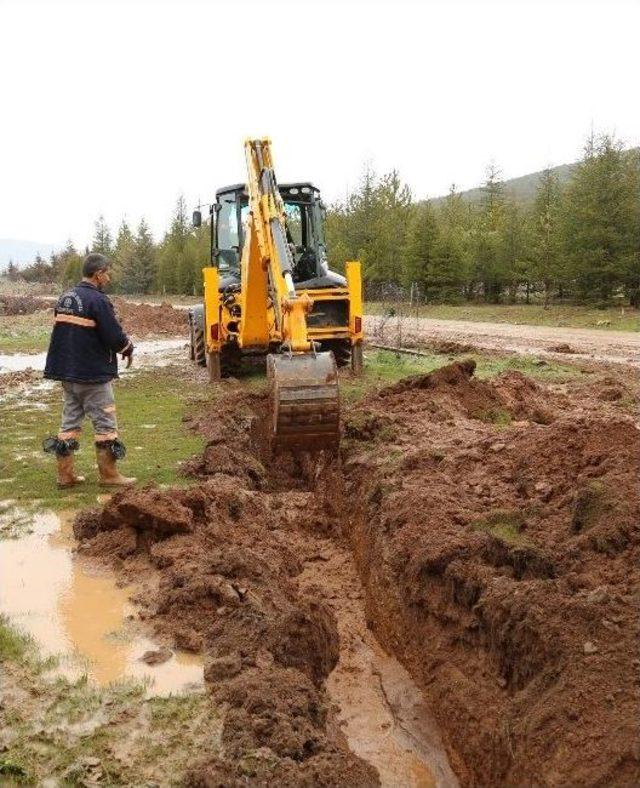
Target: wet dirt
488	634
248	568
79	613
616	347
146	320
23	304
498	522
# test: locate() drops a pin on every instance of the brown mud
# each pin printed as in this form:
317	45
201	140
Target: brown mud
496	528
23	304
147	320
495	531
219	565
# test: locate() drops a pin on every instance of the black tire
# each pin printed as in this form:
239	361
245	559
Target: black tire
341	350
192	343
199	349
230	360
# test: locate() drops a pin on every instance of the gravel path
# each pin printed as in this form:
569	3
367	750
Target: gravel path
621	347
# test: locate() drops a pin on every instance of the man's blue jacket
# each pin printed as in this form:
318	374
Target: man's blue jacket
86	337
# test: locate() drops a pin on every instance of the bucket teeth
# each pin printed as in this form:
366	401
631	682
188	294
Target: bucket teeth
305	408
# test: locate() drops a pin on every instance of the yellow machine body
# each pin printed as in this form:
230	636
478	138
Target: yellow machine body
271	315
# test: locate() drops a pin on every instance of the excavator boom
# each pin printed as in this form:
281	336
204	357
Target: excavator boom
269	291
303	383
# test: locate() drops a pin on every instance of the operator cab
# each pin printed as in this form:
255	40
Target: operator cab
305	233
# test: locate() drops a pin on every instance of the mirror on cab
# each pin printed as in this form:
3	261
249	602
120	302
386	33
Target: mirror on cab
197	219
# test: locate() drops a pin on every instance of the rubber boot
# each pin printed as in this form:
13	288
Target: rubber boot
110	476
66	475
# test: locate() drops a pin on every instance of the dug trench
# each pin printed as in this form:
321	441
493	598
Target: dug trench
485	532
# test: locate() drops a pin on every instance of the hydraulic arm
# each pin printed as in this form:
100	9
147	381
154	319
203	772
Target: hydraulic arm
304	400
268	290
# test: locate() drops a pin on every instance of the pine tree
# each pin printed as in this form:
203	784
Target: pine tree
102	241
515	252
145	256
601	220
546	241
13	272
488	226
175	272
371	225
71	264
122	256
454	245
420	253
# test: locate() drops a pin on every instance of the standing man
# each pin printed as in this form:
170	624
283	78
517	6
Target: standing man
85	341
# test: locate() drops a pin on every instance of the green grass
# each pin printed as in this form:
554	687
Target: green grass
505	525
150	408
498	416
14	644
541	369
384	367
53	724
593	503
25	333
611	318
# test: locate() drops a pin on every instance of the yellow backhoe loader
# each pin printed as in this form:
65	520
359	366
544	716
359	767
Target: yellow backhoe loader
269	291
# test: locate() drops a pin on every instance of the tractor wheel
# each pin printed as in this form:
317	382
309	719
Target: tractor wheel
192	343
341	350
230	360
199	349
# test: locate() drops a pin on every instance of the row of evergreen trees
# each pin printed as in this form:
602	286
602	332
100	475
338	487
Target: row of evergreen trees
139	264
578	240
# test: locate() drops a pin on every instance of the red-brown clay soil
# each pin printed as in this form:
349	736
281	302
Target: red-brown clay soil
139	320
144	320
219	564
500	562
23	304
495	529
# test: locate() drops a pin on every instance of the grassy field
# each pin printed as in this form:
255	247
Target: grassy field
88	735
613	318
150	406
25	333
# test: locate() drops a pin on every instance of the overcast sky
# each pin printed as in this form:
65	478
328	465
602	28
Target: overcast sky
117	107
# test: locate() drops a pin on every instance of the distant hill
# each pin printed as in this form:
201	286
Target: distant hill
22	252
523	188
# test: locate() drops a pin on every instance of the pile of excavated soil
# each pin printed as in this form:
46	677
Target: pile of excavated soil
142	320
23	304
219	564
496	527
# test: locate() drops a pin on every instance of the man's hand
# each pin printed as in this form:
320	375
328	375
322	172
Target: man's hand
128	354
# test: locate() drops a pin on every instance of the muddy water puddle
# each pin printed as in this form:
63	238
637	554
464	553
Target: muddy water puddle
148	353
79	614
385	720
380	709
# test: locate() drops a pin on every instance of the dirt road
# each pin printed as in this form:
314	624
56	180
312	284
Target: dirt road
620	347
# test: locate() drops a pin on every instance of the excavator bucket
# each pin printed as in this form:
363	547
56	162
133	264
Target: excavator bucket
305	410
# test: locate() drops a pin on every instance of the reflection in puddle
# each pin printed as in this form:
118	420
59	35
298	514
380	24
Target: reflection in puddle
74	611
19	362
